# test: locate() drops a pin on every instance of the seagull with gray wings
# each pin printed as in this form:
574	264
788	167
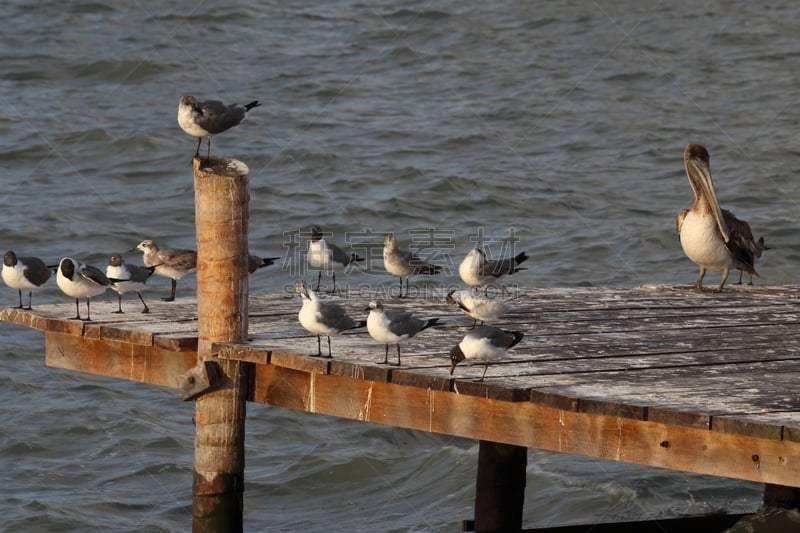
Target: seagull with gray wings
485	343
394	326
210	117
80	281
24	273
126	278
323	318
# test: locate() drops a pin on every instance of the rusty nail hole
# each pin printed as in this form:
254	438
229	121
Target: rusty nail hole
191	380
755	458
664	444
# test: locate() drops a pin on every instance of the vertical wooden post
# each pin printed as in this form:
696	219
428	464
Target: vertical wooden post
221	217
500	487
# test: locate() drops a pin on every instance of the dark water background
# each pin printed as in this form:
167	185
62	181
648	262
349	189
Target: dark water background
562	122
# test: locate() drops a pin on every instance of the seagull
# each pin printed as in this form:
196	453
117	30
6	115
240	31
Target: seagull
711	237
80	281
24	273
323	318
393	327
478	307
204	119
172	263
254	262
125	278
404	264
476	271
327	256
483	342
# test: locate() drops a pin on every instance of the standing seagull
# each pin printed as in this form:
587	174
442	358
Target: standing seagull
125	278
322	318
485	343
710	236
24	273
476	271
393	327
478	307
172	263
80	281
204	119
404	264
327	256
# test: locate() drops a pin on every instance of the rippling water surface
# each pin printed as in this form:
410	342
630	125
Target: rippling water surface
560	122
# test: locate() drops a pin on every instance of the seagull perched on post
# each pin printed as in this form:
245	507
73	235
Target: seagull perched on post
210	117
403	263
323	318
24	273
476	271
485	343
80	281
125	278
393	327
324	255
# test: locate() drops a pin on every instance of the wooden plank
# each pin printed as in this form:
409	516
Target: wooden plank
532	425
121	360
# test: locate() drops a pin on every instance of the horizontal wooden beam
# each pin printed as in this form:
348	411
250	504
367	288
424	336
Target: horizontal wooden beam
152	364
531	425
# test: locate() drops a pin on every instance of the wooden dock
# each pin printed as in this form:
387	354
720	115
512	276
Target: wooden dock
659	376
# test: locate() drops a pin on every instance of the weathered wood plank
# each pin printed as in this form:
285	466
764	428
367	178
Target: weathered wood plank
146	364
532	425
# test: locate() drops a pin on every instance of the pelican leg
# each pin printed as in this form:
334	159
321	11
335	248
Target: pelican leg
699	283
725	273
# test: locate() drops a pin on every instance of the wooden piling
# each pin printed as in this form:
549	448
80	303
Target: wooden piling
500	487
221	218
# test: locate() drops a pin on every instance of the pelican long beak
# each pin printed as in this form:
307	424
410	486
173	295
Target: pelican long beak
701	175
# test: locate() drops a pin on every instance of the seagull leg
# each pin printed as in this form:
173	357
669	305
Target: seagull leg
385	357
172	296
20	299
30	297
197	151
329	348
319	280
77	310
484	372
208	155
398	354
319	347
146	309
333	290
119	304
88	310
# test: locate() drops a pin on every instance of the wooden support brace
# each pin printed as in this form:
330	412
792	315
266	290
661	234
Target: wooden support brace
500	487
203	377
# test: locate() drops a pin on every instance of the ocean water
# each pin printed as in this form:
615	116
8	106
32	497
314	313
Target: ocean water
553	128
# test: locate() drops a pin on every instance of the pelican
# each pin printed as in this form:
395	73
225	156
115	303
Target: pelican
712	237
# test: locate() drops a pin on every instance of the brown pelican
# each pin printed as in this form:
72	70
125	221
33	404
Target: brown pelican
710	236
